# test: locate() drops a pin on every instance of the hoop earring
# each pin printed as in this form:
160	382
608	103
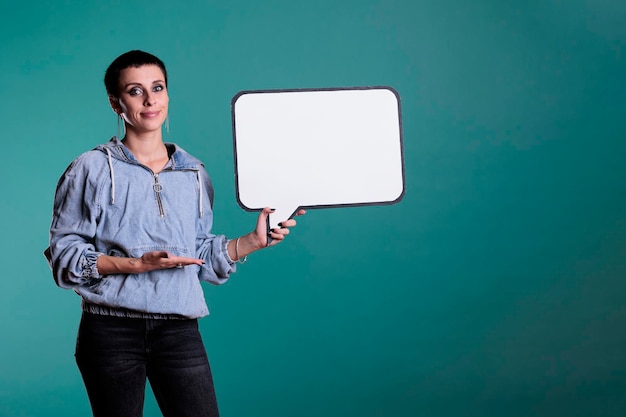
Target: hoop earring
121	127
167	124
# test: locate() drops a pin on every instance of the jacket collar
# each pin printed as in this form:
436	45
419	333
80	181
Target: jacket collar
179	160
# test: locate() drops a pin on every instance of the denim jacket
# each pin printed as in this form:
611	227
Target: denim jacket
106	202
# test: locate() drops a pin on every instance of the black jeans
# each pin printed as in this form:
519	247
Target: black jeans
115	355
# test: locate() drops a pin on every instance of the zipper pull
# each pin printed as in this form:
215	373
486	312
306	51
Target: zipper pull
157	187
157	190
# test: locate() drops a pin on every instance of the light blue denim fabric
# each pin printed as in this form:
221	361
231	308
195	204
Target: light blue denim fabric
106	202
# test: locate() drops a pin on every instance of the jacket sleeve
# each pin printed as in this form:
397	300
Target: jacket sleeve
71	254
212	248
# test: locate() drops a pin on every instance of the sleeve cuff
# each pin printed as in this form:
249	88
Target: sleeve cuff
225	251
90	265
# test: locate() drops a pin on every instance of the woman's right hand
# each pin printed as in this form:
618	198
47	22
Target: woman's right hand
164	260
149	261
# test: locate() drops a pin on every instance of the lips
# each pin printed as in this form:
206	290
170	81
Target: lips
150	114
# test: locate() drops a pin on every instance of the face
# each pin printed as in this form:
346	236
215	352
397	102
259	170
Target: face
143	100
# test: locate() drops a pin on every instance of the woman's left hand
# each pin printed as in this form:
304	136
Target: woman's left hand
276	234
260	238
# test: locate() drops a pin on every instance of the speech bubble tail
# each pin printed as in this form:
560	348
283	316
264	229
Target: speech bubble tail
279	214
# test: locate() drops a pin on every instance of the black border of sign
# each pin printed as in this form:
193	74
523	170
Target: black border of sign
295	90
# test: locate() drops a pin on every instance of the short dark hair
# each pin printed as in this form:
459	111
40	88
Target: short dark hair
135	58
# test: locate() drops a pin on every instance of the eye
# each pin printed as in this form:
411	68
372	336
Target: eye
158	88
135	91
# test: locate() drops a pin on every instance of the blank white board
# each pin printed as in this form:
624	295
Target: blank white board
317	148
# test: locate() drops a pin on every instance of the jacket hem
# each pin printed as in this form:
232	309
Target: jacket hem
124	312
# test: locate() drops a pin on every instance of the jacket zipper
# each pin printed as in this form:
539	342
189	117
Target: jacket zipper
157	190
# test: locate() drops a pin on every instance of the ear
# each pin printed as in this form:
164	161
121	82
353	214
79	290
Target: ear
115	105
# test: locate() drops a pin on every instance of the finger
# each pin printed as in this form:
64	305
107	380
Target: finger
284	231
278	233
180	265
174	261
273	237
191	261
263	231
267	211
287	223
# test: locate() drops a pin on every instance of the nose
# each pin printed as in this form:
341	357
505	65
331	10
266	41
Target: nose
150	99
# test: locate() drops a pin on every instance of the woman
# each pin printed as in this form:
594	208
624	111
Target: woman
131	234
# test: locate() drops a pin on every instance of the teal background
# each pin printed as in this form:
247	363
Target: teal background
494	288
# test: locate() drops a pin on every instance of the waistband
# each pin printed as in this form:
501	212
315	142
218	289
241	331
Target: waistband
123	312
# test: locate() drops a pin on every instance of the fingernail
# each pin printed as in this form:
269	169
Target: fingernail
280	224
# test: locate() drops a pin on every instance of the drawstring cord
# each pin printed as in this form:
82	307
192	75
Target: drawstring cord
112	176
200	194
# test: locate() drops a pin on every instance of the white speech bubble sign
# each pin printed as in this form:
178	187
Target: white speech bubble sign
317	148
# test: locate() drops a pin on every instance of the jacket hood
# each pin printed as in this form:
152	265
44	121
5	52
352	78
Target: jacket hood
180	159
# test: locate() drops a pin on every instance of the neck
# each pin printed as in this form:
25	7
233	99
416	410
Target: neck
148	148
133	136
